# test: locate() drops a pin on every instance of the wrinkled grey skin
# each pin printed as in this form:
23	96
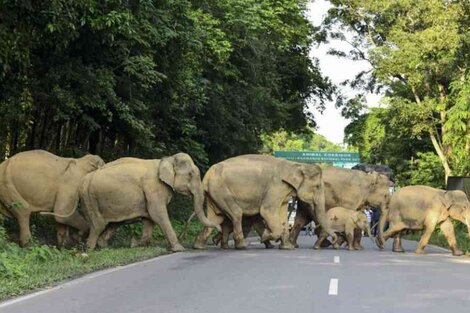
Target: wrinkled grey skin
346	223
39	181
259	184
423	207
351	189
131	188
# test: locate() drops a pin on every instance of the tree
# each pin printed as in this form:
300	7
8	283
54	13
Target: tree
308	141
419	53
150	78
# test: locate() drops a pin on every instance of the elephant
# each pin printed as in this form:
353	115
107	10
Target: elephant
260	184
346	223
131	188
248	223
350	189
39	181
422	207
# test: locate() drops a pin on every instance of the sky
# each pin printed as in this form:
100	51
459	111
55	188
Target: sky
331	124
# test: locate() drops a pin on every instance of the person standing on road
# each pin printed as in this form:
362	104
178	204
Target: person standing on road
369	214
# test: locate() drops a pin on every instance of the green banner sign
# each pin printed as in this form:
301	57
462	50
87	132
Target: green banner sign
319	156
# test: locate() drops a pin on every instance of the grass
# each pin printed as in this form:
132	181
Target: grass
26	269
35	271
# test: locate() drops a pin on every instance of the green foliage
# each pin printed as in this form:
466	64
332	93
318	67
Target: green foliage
307	141
419	53
23	269
383	136
427	170
150	78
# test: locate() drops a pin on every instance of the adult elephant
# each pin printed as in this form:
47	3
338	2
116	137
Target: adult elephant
39	181
131	188
350	189
259	184
423	207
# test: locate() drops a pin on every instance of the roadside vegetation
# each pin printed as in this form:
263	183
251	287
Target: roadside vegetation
42	265
419	58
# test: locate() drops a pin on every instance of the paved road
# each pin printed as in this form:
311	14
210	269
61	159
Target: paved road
259	280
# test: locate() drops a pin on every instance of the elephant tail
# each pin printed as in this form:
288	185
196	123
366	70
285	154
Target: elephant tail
11	198
59	215
90	206
383	218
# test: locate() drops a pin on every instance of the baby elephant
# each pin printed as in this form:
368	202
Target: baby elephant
345	223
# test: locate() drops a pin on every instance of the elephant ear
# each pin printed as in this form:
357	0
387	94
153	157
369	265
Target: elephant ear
448	200
166	172
293	175
374	179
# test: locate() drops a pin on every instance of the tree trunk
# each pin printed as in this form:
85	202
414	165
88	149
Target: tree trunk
441	153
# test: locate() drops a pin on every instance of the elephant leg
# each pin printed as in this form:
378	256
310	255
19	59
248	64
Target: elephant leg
321	237
240	242
259	227
159	214
217	238
429	226
339	242
326	243
97	227
66	203
227	204
25	231
301	219
147	232
105	236
286	244
448	229
277	224
62	234
350	233
392	230
227	229
350	240
397	246
357	235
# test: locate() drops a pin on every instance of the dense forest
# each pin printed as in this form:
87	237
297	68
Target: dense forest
152	77
419	52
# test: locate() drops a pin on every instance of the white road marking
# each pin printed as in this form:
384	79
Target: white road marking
82	279
333	290
336	259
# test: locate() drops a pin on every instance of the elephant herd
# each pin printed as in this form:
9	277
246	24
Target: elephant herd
243	192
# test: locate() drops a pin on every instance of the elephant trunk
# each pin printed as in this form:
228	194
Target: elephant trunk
320	212
198	202
383	218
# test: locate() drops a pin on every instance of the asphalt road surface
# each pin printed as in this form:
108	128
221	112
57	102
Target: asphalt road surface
259	280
